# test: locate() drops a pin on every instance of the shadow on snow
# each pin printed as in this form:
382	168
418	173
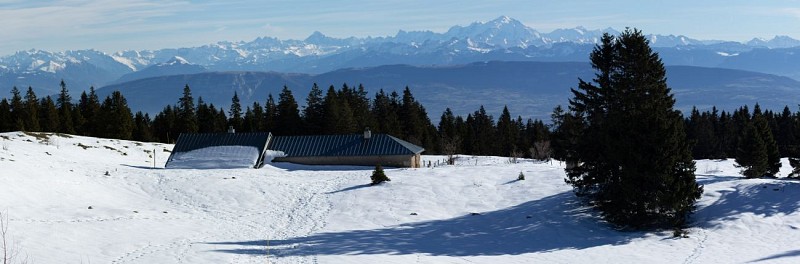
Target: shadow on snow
766	199
549	224
787	254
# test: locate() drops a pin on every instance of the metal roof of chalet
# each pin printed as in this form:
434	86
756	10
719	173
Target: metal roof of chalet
192	141
343	145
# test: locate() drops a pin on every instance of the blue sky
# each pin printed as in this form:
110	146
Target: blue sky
148	24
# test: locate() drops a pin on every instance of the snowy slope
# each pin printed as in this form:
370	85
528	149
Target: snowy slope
286	213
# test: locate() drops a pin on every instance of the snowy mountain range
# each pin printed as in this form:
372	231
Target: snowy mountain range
503	38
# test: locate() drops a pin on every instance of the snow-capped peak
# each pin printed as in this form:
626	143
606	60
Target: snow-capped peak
176	60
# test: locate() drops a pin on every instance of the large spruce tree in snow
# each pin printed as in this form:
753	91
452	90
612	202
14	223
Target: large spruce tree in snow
635	164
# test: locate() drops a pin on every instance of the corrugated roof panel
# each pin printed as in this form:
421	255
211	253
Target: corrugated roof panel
342	145
189	142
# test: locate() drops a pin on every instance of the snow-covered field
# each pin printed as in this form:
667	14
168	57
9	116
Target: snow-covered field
474	212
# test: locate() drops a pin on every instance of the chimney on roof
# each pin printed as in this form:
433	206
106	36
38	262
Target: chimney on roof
231	130
367	133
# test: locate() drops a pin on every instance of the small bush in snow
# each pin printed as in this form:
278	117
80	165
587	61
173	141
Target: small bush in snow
378	176
521	176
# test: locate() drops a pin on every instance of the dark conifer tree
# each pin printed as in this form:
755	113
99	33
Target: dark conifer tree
270	114
727	135
314	111
90	107
235	113
567	131
359	105
447	124
248	122
164	128
186	121
258	118
786	137
700	132
78	121
31	111
751	154
480	139
413	128
205	117
142	127
6	122
221	121
48	115
765	133
64	104
507	133
636	165
288	121
449	136
17	110
794	157
384	111
338	115
115	117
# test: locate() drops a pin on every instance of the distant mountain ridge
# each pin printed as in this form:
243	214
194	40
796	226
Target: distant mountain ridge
503	38
529	89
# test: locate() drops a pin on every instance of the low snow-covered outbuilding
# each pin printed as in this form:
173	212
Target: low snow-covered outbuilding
353	149
219	150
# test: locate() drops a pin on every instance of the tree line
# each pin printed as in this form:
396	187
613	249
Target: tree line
110	118
757	139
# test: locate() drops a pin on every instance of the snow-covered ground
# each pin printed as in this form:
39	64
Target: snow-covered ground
474	212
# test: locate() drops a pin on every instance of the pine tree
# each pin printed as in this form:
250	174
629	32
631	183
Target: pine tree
482	135
794	156
235	113
115	117
385	108
288	120
48	115
220	121
410	118
700	132
751	154
378	176
17	110
78	121
6	122
270	114
314	112
31	112
765	133
258	118
142	127
338	115
187	116
506	134
205	117
64	104
635	164
90	107
164	125
248	122
567	130
786	138
359	105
